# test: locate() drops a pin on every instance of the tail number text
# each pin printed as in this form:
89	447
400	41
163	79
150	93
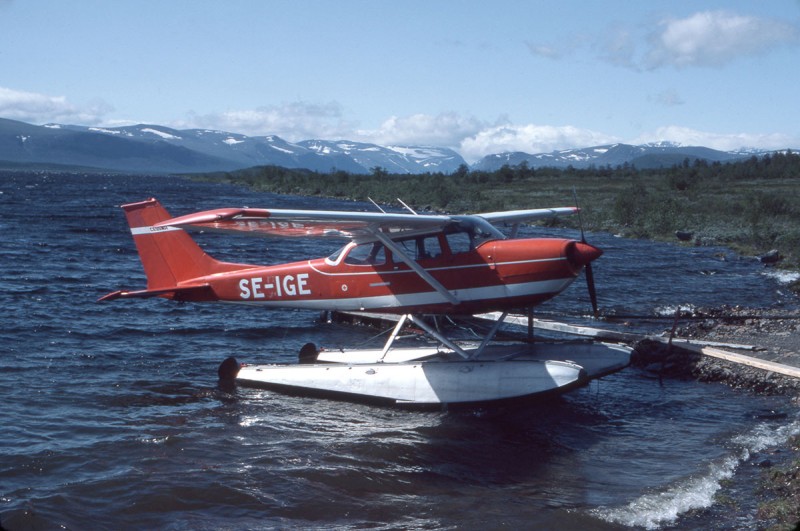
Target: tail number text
288	285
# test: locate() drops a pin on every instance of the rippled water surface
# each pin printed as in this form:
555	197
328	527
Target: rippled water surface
113	418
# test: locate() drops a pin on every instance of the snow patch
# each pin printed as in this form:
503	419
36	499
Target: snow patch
162	134
232	141
103	130
282	150
416	152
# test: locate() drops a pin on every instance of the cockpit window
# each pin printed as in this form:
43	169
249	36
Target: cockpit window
469	233
422	247
366	254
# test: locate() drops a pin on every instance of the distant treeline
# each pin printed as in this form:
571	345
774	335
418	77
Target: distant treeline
752	205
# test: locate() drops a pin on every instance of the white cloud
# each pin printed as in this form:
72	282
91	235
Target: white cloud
722	141
292	121
529	139
444	129
714	38
38	108
703	39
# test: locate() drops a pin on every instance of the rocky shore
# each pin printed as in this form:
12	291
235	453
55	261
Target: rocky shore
771	335
774	335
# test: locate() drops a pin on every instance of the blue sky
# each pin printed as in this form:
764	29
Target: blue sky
479	77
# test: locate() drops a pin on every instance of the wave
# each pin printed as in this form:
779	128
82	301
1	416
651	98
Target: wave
782	276
657	509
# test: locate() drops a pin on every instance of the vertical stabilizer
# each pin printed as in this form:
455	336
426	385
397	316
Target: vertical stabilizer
169	255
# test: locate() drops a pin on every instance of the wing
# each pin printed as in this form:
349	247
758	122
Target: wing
522	216
316	223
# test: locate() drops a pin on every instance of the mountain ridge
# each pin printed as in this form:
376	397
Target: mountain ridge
150	148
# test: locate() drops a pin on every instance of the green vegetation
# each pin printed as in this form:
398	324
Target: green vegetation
752	206
781	492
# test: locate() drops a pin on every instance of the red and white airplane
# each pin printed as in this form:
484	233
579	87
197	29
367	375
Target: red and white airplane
395	263
409	264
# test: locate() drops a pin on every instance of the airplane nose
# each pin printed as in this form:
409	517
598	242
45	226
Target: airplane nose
579	254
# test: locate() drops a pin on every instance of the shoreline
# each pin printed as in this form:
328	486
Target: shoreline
771	335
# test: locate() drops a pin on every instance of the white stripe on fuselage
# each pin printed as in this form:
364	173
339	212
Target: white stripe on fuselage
423	298
445	268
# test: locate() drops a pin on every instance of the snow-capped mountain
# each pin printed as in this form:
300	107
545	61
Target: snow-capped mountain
655	155
394	159
159	149
155	148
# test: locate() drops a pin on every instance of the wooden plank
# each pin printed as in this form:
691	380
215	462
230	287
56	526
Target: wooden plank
680	341
741	359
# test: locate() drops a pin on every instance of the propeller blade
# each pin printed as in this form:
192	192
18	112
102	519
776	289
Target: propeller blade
592	292
588	267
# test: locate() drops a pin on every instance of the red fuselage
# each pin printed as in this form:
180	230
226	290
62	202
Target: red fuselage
458	265
497	275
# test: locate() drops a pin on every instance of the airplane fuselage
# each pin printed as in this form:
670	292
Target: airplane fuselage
435	264
499	274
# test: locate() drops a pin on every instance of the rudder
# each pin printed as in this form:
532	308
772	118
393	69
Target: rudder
169	255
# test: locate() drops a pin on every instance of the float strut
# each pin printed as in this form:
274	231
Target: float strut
397	328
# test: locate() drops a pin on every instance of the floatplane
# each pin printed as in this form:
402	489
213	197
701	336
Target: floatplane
412	266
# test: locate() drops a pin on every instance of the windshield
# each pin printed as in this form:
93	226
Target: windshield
479	229
334	258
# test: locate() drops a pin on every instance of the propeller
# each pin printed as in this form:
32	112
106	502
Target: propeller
588	266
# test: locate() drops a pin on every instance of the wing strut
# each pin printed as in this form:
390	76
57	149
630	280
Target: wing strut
418	269
446	342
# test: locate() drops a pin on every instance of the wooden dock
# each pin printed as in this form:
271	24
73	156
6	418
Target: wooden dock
741	359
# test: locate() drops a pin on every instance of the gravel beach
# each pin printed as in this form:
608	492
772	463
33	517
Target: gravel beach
774	335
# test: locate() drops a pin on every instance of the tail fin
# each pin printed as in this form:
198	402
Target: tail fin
169	256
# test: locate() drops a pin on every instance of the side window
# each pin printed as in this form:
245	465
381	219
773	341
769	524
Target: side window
430	248
422	248
459	242
366	254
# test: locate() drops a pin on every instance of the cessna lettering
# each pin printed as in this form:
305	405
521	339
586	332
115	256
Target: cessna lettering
259	288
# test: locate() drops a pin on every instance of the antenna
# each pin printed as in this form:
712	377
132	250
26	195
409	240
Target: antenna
407	207
376	205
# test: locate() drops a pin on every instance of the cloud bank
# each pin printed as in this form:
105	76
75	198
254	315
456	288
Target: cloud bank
701	40
40	108
292	121
714	38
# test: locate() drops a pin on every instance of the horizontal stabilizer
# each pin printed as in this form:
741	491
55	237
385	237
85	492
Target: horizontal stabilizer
191	293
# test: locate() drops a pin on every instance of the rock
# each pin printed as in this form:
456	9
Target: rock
771	257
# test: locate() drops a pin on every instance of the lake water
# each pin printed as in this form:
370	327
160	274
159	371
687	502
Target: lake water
113	418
